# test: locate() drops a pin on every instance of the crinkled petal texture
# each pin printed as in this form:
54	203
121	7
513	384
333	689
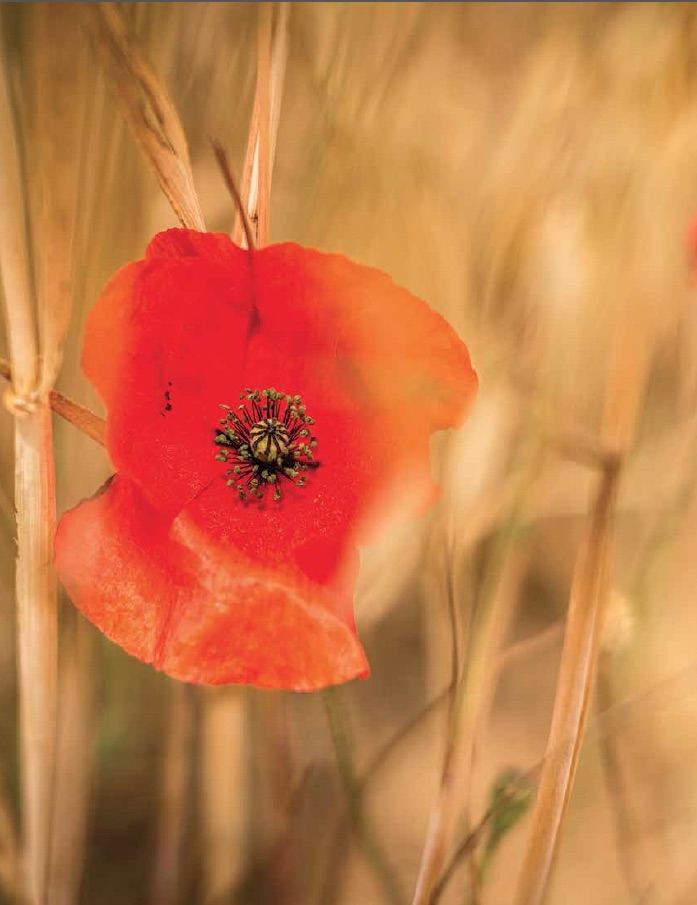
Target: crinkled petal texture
173	597
167	560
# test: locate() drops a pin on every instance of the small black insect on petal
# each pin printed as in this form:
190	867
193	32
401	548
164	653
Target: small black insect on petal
168	400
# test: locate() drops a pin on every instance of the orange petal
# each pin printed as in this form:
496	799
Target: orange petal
164	347
199	611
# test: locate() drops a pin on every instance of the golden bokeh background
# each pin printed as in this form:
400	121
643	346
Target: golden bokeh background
530	169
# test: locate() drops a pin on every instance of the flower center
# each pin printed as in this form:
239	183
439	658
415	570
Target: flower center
265	442
269	440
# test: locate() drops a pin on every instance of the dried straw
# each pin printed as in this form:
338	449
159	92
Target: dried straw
222	804
37	637
175	796
584	624
75	744
268	97
263	98
471	698
147	108
629	365
57	79
35	505
14	259
80	417
10	872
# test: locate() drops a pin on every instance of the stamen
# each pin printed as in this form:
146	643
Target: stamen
267	441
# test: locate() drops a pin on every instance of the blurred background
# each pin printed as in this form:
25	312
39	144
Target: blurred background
530	169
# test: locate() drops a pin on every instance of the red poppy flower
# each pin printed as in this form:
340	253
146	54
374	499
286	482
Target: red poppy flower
264	410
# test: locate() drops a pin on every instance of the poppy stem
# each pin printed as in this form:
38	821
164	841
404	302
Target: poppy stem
79	416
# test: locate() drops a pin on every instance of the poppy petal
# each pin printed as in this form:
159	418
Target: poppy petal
262	625
385	346
197	610
164	346
378	370
167	559
114	559
190	243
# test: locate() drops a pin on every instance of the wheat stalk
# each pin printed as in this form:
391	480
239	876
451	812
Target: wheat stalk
56	83
35	505
628	370
175	796
268	96
74	759
584	623
56	91
37	637
148	110
474	684
10	870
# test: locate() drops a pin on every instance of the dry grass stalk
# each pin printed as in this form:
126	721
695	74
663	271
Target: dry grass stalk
77	415
10	873
471	703
74	762
223	750
147	109
263	94
630	356
14	258
226	172
635	846
175	796
250	180
35	506
37	637
58	91
631	350
589	596
270	88
524	650
55	53
54	57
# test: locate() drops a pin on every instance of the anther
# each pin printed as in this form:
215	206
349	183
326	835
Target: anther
270	441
